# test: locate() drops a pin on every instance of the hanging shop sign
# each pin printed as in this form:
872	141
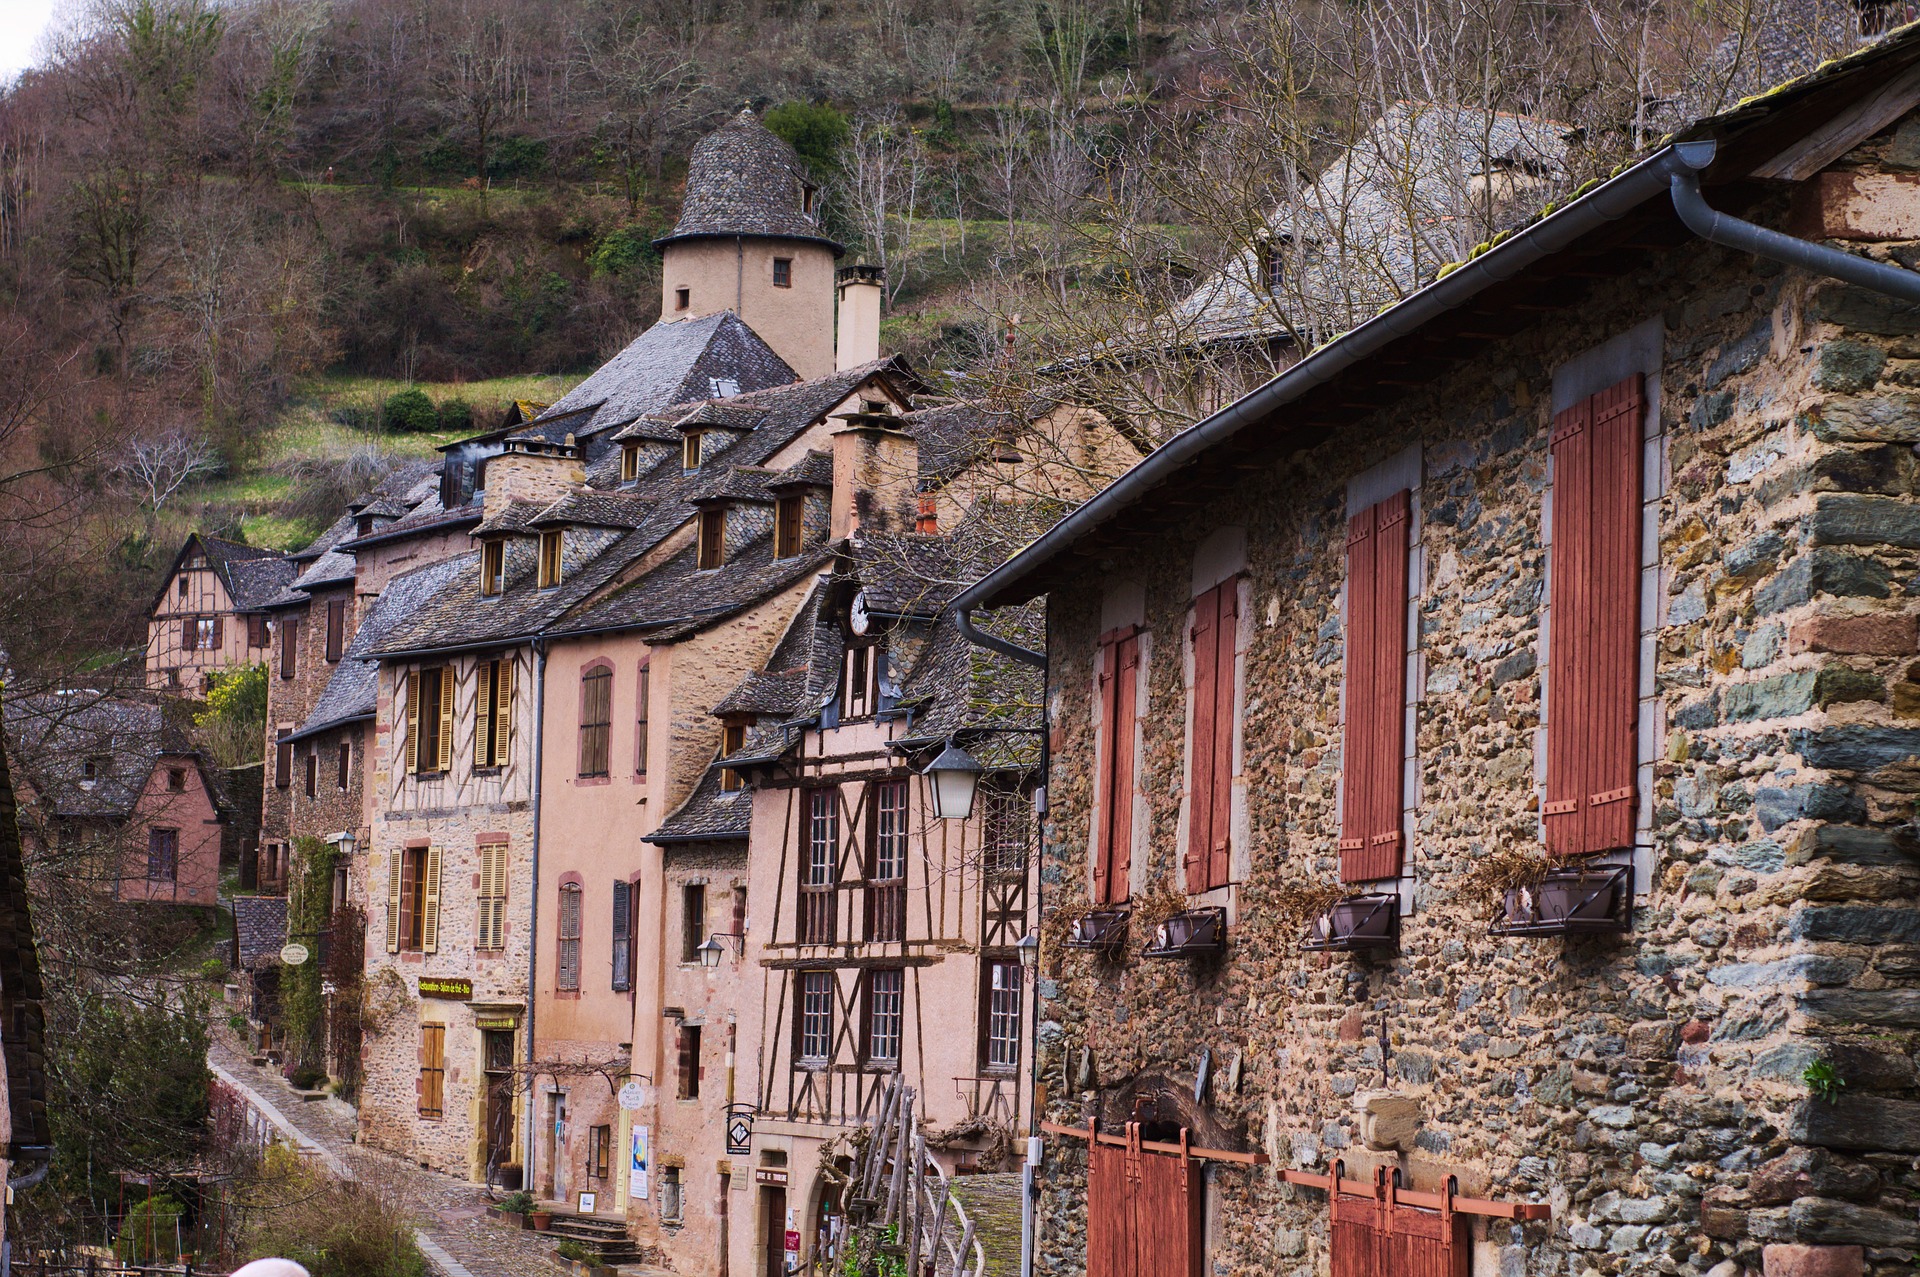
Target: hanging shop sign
739	1128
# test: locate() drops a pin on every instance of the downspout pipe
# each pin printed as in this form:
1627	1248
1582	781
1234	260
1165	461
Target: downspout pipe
41	1156
533	906
1730	232
963	617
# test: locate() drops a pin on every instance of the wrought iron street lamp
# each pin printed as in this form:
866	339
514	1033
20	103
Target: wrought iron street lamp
952	779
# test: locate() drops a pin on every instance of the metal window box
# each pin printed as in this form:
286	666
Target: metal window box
1576	901
1099	931
1189	934
1356	924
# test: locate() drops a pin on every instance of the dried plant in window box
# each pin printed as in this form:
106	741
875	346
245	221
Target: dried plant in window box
1190	933
1574	900
1098	930
1356	923
1154	906
1295	906
1493	877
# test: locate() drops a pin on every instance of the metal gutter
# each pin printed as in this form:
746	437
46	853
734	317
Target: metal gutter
322	728
963	617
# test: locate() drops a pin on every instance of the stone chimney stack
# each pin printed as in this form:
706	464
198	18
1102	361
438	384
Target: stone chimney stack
530	470
876	476
856	338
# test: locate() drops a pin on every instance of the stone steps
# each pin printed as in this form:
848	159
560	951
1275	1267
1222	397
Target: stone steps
606	1238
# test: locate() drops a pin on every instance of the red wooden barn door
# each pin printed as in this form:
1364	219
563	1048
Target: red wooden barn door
1376	1236
1143	1212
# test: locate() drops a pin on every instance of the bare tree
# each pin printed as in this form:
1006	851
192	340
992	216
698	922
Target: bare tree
156	468
882	169
648	84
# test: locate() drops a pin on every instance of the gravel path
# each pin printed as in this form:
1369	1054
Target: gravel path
451	1213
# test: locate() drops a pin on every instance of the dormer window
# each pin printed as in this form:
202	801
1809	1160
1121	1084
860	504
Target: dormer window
690	451
808	197
550	543
682	298
733	739
783	272
493	566
862	666
1275	268
789	526
97	766
629	462
363	525
874	406
713	539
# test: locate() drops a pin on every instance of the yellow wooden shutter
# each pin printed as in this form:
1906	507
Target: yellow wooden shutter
446	718
430	926
413	721
393	901
503	711
482	710
493	892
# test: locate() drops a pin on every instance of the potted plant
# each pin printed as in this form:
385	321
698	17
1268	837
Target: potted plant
1190	932
513	1209
1530	895
541	1219
1352	923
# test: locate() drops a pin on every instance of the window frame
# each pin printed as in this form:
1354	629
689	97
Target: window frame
733	738
789	526
682	298
1002	981
413	899
595	761
819	890
552	551
163	854
689	1065
690	450
693	920
711	552
883	1016
783	272
312	785
569	908
813	1017
493	566
889	846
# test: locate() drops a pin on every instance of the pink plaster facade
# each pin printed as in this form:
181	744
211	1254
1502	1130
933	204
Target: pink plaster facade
194	632
175	801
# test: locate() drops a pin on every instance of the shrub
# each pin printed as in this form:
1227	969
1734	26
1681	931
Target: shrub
305	1077
571	1249
238	1023
517	1203
456	415
410	412
213	969
335	1229
816	131
151	1231
623	249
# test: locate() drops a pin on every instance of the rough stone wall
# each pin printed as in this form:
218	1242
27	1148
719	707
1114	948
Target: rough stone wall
1649	1088
286	813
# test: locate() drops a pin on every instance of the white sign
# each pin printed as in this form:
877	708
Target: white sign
637	1159
632	1096
294	954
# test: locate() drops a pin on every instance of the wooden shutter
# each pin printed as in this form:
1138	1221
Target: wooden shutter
336	625
188	634
346	764
414	680
1374	743
219	633
445	760
1119	690
1593	645
483	676
289	627
622	945
491	932
283	759
1216	617
430	911
502	711
395	862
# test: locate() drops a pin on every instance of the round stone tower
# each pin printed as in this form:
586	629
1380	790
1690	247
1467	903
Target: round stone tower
749	241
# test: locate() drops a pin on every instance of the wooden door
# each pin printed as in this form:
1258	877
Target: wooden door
1143	1212
774	1229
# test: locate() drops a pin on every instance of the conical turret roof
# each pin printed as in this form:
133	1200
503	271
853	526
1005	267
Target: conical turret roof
742	180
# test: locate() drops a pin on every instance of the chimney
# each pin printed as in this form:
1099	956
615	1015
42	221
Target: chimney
530	470
856	338
876	476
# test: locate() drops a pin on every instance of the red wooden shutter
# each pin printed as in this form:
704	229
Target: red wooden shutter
1119	675
1376	670
288	628
1593	656
336	628
1206	654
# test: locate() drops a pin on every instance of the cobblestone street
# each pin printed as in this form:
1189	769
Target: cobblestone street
450	1212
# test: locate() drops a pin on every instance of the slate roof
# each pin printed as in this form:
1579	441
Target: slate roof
427	518
674	362
54	735
250	573
710	814
766	692
733	483
742	180
351	692
953	436
259	930
678	599
586	508
515	517
251	582
815	470
1376	224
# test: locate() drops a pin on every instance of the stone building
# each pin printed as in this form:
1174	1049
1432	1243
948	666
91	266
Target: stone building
1482	758
198	623
28	1148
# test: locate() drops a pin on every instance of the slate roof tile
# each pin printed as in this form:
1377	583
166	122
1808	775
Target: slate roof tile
742	180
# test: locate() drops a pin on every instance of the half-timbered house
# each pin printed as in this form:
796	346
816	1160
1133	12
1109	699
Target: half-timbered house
203	619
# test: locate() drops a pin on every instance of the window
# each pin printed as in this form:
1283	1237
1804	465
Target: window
599	1152
336	628
690	450
640	721
1216	623
433	1069
200	634
413	901
672	1196
550	543
289	646
813	1026
625	911
313	772
1006	832
808	195
493	712
493	566
883	1006
1000	1014
344	765
783	272
596	719
789	526
97	766
713	538
283	759
256	631
430	719
1276	268
688	1072
177	780
182	591
1374	739
733	738
858	702
339	900
629	462
490	914
819	867
682	298
163	855
1593	639
567	964
693	920
1119	672
887	862
363	525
